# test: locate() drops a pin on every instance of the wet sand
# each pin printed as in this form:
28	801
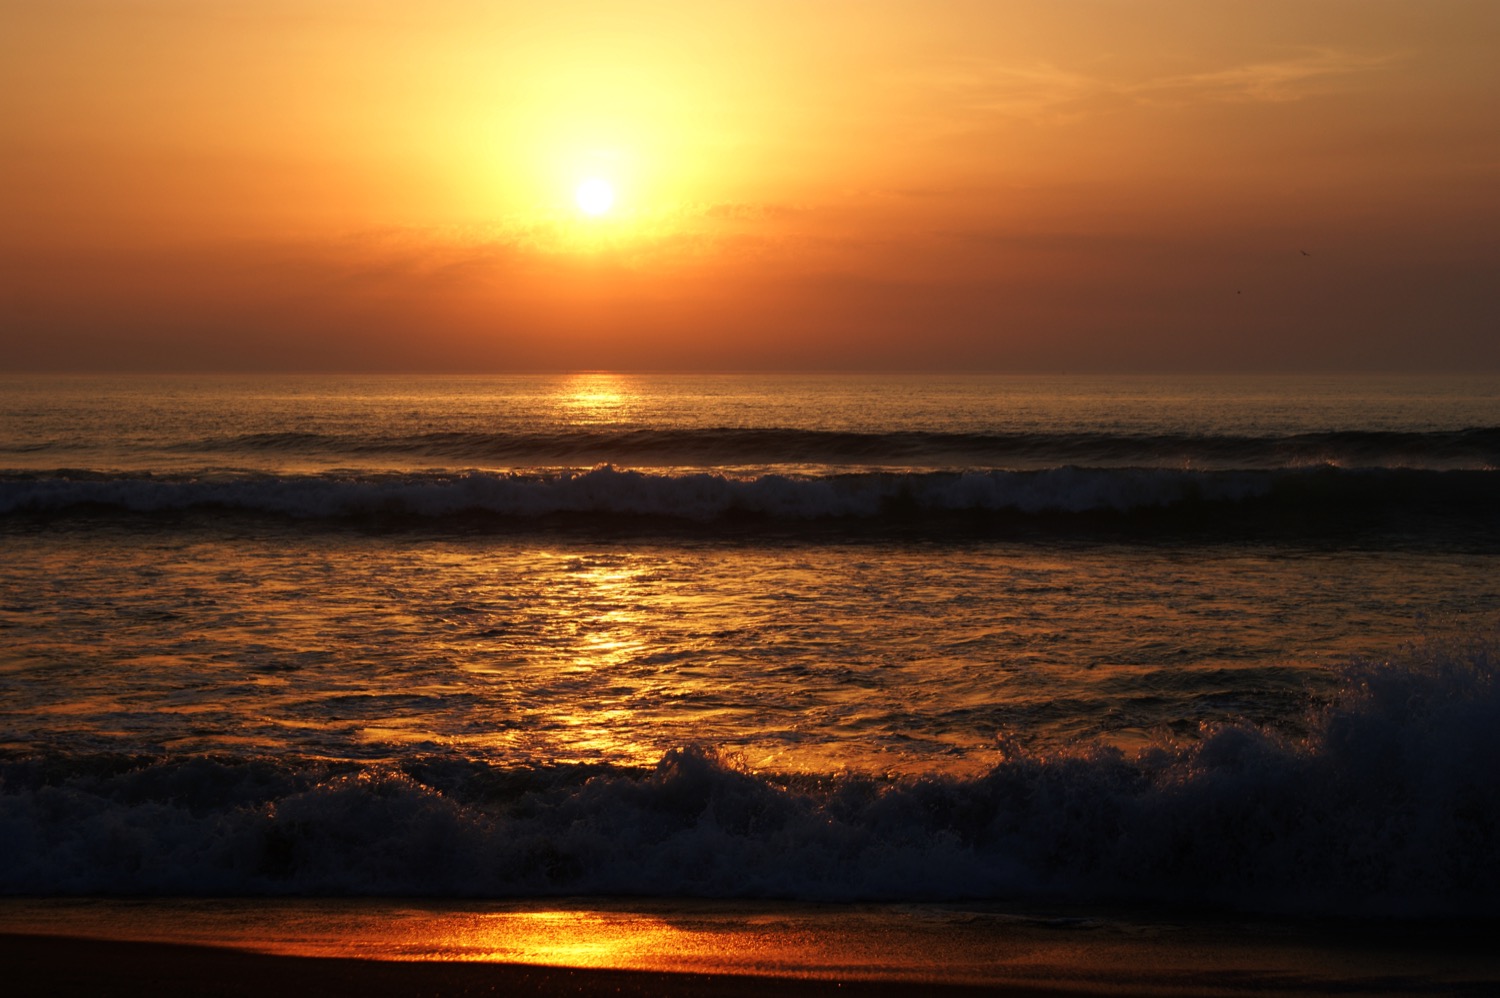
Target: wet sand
90	968
253	948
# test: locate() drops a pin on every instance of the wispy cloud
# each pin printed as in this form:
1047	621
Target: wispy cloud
738	211
1045	90
1273	81
1011	89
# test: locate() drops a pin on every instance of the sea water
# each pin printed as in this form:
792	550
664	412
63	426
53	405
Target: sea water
1217	641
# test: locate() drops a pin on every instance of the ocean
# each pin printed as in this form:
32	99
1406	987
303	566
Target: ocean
1222	643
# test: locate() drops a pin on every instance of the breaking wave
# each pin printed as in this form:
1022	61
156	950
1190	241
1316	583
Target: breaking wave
1296	499
1389	805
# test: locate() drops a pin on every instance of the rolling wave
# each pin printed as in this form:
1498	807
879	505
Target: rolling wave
1473	448
1467	447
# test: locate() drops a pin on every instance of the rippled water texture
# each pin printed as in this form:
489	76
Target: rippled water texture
869	656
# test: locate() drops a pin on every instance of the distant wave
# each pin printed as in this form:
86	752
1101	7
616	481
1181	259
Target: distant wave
1275	500
1388	806
1474	448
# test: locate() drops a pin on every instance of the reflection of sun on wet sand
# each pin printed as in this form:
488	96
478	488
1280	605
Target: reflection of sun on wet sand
379	948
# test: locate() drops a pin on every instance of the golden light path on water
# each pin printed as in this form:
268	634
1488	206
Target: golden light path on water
796	658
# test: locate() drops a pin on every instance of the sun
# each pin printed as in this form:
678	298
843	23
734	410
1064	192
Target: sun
594	196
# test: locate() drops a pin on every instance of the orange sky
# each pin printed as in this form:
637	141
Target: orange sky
955	184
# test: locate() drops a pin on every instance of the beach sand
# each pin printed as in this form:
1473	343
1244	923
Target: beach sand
104	947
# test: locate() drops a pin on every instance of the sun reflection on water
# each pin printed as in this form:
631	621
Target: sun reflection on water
595	398
609	638
577	670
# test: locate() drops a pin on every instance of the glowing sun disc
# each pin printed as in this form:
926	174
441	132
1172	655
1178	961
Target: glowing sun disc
594	196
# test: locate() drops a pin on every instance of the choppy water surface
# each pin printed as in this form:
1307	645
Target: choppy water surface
872	656
944	621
